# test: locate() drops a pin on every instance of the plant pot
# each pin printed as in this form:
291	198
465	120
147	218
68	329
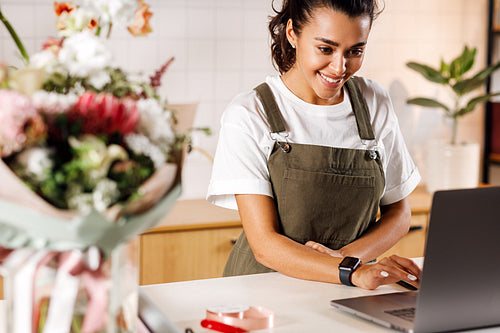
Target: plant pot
452	166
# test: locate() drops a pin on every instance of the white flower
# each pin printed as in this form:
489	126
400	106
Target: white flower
74	21
44	59
35	162
77	199
140	144
99	79
53	103
137	80
105	193
85	55
119	12
156	122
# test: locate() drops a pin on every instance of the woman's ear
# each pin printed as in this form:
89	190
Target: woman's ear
290	34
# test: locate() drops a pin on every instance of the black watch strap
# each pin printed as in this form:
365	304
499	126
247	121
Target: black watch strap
345	276
346	268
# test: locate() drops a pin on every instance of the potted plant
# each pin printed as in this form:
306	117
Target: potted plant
453	164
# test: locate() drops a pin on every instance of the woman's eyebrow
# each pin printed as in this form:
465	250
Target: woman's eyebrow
331	42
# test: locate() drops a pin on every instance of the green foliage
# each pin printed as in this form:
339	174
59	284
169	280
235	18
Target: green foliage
453	76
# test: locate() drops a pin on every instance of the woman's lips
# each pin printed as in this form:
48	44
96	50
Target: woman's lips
330	81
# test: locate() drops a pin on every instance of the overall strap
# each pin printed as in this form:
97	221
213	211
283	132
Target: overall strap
271	108
360	110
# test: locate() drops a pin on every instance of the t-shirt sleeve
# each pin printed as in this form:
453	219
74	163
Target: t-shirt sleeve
240	163
401	173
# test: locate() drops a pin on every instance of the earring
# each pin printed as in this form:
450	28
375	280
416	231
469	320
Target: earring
293	46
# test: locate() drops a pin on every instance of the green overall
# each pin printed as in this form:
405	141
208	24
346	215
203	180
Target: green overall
324	194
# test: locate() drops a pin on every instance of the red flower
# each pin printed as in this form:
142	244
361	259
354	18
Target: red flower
105	114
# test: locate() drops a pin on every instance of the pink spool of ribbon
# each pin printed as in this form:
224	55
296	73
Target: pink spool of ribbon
249	318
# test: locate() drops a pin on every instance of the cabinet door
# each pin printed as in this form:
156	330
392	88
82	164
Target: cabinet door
185	255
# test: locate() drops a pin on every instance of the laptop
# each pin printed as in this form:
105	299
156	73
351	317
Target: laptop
460	282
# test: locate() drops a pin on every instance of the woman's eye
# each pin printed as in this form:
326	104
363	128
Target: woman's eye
356	52
325	50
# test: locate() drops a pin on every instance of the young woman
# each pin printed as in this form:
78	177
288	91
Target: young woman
310	156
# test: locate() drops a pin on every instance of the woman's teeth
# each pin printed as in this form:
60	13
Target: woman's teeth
330	79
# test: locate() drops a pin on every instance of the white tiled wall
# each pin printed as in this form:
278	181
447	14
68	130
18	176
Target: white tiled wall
221	48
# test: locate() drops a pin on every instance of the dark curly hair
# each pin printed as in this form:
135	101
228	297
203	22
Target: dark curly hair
300	11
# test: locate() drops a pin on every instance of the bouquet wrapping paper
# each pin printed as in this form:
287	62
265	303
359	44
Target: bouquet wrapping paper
70	272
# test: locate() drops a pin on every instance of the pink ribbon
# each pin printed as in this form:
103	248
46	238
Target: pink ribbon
250	319
94	281
95	285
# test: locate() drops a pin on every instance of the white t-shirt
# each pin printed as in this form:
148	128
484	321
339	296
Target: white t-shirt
245	142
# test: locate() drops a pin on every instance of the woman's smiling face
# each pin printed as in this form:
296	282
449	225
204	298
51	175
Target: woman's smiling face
329	50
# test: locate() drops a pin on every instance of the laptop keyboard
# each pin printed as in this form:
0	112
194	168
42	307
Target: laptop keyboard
405	313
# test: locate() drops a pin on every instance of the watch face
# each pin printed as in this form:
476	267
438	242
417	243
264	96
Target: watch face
350	262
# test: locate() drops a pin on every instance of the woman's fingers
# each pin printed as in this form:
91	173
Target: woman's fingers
407	264
399	268
387	271
323	249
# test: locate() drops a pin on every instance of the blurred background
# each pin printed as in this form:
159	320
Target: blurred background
221	48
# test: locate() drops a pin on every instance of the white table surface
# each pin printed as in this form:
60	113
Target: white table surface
300	306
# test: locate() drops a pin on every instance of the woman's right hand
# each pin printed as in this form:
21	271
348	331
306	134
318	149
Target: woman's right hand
386	271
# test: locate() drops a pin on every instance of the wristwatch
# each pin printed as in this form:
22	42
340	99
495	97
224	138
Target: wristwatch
346	268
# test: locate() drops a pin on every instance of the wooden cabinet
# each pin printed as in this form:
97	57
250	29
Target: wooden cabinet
195	239
193	242
180	255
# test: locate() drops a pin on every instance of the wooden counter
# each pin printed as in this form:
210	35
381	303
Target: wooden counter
194	240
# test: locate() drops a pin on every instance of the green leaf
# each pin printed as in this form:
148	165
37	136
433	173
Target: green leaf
427	102
468	85
463	87
463	63
474	102
428	72
485	73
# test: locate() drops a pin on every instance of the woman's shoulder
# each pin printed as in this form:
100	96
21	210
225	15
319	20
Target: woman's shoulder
377	98
369	87
244	108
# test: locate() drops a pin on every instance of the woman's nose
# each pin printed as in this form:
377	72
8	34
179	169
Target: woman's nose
338	64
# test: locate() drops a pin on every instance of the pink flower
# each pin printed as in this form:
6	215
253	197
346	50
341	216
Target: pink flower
53	44
105	114
20	122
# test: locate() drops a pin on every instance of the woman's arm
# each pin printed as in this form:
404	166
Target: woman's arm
393	224
276	251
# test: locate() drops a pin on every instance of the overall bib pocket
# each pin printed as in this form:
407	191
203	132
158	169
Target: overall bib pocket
330	208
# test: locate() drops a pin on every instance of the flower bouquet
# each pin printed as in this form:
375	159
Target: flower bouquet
90	157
